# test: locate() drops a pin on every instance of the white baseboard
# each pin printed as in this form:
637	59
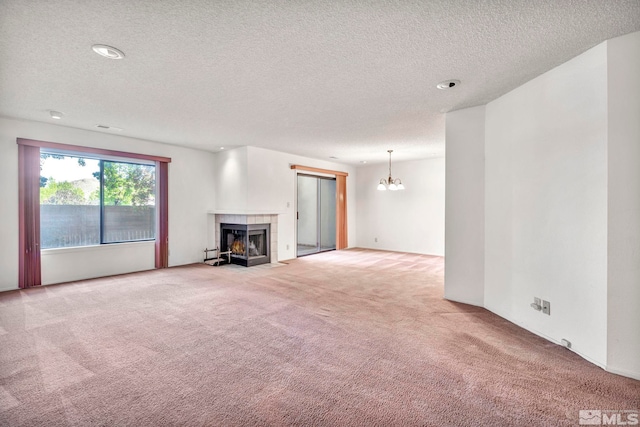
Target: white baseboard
623	372
553	340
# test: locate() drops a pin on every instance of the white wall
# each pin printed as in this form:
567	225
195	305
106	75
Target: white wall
68	264
546	204
230	183
464	223
562	203
411	220
623	327
8	206
191	195
271	188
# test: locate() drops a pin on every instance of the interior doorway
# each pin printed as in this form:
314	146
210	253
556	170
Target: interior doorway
316	225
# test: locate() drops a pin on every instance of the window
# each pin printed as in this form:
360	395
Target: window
30	182
85	201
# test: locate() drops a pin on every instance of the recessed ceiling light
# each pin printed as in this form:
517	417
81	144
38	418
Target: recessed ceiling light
448	84
108	51
222	148
363	161
56	115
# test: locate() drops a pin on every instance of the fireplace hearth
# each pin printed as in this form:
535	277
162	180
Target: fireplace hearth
248	243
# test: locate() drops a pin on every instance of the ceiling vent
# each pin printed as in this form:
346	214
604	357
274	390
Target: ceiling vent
105	127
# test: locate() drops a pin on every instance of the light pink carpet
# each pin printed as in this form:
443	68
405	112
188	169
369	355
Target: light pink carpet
346	338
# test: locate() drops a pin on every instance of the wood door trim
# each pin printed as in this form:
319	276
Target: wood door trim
319	170
341	212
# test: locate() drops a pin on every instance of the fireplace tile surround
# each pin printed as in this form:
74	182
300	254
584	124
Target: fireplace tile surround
271	219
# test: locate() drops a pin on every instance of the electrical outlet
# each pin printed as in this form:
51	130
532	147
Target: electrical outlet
375	239
287	247
546	307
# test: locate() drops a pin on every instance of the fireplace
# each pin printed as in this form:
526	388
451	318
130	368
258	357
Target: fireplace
248	243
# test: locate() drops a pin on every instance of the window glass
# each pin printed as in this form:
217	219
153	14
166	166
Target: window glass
129	202
90	202
69	201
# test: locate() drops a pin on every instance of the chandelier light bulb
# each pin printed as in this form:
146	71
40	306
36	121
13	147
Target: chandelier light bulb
390	183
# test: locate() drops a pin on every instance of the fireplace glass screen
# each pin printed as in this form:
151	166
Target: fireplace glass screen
249	244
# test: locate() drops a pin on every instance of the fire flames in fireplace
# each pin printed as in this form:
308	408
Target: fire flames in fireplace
237	247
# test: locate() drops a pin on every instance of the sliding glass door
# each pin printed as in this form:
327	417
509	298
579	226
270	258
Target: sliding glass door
316	214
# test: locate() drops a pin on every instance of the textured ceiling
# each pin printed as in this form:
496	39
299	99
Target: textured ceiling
348	79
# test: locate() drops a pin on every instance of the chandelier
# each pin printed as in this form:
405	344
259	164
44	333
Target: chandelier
392	184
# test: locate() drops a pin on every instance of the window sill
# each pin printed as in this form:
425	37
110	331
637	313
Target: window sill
96	248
